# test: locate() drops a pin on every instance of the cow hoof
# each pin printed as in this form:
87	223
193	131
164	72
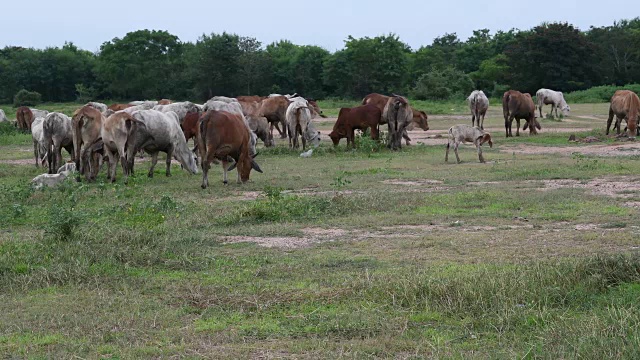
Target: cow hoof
225	182
203	186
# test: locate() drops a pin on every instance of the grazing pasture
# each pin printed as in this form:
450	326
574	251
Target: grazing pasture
362	253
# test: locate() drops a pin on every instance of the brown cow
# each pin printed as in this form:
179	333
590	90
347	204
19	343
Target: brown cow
275	109
118	107
87	127
165	102
118	137
314	105
625	104
223	136
255	98
350	119
516	105
24	118
419	117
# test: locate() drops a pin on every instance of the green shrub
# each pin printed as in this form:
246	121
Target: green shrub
442	84
598	94
85	94
26	98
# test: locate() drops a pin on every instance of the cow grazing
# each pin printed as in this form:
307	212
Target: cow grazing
87	127
57	130
465	133
274	108
316	109
3	116
162	133
624	105
516	105
397	114
119	107
24	117
39	149
260	126
180	108
222	136
357	118
478	104
380	101
119	133
298	118
233	107
165	102
555	98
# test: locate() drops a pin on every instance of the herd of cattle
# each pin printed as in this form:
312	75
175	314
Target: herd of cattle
225	130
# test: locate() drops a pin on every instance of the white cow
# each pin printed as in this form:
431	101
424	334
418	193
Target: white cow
3	117
39	149
146	104
478	104
39	113
98	106
57	133
180	108
555	98
162	133
298	119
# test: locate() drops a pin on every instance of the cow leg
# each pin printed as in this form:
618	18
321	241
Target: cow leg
283	134
507	124
446	155
169	157
480	157
482	124
225	179
405	136
304	140
540	108
36	152
154	161
374	133
58	153
206	164
455	150
473	120
609	120
113	162
518	127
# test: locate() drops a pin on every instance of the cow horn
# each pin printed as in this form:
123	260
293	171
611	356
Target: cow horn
254	155
255	166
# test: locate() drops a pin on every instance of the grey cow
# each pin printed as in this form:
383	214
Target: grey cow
465	133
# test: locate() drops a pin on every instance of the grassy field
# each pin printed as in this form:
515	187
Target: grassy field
347	254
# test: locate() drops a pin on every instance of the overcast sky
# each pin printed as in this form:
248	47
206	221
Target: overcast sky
327	23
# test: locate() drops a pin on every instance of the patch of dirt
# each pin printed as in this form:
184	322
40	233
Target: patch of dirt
412	182
612	187
19	162
627	149
271	242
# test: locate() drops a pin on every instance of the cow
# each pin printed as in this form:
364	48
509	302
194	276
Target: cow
255	98
223	99
233	107
180	108
555	98
52	180
98	106
146	104
39	113
288	96
313	104
419	117
222	136
165	102
465	133
274	108
350	119
625	104
3	116
397	114
162	133
478	104
119	133
298	117
24	117
57	130
260	126
119	107
130	110
87	127
39	149
516	105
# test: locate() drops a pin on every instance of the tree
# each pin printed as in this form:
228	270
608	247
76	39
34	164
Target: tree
556	56
618	48
140	65
442	84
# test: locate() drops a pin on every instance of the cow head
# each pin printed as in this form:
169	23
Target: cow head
565	110
245	165
486	138
420	119
335	137
315	108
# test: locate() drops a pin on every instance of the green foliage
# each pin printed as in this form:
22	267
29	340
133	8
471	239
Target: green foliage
443	84
26	98
598	94
85	94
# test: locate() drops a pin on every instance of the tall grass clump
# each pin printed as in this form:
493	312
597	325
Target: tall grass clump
598	94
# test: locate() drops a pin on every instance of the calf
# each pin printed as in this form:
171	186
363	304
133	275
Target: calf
516	105
357	118
465	133
222	136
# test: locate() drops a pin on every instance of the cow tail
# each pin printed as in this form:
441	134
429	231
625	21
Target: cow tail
298	111
47	133
77	140
202	141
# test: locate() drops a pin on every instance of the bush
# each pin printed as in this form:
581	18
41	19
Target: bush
598	94
442	85
26	98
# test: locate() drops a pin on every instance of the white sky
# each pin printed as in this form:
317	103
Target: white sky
325	23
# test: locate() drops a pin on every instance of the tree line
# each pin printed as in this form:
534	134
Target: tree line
148	64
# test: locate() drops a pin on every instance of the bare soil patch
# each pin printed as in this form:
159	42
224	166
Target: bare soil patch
626	149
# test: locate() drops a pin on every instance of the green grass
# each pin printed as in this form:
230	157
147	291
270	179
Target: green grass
385	255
